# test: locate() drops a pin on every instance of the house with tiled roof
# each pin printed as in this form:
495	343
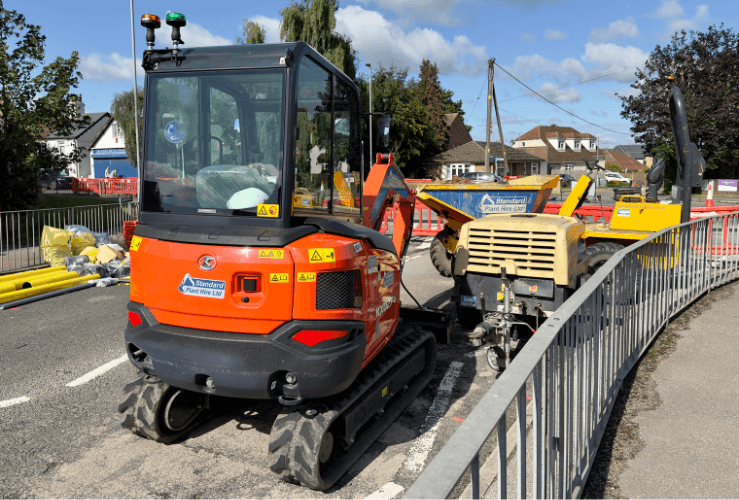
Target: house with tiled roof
636	151
561	149
470	157
458	133
625	162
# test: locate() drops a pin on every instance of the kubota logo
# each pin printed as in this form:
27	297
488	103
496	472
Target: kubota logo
207	262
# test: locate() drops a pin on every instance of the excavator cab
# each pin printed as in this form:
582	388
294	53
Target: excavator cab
224	124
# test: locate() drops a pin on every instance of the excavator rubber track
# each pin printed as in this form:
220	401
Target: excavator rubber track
160	412
316	443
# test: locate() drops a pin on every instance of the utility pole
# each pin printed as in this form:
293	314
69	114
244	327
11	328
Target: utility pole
372	160
135	94
488	124
136	110
497	115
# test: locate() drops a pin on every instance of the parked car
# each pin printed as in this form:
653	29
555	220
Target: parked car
616	177
565	180
53	180
481	177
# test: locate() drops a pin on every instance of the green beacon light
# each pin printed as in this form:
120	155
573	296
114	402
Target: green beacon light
177	21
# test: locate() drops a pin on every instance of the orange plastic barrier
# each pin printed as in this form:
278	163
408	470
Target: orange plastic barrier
106	186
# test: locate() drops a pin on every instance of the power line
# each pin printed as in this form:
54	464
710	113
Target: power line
579	82
478	98
558	106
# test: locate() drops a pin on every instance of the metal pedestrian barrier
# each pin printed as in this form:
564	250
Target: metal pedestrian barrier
20	231
569	373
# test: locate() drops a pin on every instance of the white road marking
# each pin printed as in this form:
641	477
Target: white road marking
390	490
421	448
424	246
97	371
14	401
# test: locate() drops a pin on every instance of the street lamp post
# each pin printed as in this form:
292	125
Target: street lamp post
372	161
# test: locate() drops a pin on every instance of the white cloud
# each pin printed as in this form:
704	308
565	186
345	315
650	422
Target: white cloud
670	9
551	92
405	49
525	67
425	11
195	35
113	67
610	57
529	37
108	68
555	35
615	31
674	15
599	114
271	28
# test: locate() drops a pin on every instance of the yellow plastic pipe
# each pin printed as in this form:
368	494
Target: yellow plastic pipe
30	292
25	274
34	280
45	279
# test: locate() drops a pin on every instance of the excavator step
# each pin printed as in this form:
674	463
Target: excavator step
440	322
315	444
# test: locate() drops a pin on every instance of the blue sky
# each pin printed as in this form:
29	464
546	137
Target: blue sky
554	46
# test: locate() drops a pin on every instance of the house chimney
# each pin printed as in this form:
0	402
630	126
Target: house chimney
80	105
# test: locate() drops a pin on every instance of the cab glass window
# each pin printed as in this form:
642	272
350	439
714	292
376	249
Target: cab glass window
313	146
213	142
346	168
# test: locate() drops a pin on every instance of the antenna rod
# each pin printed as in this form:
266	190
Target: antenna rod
135	99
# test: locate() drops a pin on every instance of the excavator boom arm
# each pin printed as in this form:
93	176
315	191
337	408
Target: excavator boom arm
384	186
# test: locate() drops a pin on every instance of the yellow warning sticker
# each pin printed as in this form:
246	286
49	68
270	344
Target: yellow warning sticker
321	255
135	243
264	210
306	277
384	391
279	278
271	254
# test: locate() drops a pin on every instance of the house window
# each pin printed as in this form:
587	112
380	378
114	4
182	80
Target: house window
523	144
577	145
592	144
458	169
561	145
568	166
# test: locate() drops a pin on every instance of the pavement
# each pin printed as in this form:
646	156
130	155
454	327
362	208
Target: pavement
691	438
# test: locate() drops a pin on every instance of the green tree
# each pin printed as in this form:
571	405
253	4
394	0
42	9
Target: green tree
122	111
314	22
705	66
32	96
452	106
411	135
432	97
252	33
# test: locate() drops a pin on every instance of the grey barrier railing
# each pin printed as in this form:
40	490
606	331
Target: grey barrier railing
572	368
20	231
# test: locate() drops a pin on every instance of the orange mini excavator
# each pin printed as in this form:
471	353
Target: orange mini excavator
257	268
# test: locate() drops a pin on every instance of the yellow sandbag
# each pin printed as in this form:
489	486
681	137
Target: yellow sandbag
82	241
92	253
55	245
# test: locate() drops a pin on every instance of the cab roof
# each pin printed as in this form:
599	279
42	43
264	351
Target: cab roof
252	56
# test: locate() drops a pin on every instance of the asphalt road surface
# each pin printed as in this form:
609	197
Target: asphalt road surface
63	370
